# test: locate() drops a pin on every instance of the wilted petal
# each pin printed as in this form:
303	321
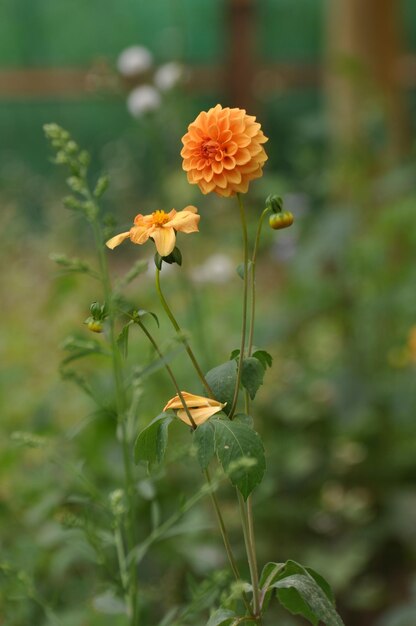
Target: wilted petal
198	415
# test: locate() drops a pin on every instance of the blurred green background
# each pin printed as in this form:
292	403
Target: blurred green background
333	85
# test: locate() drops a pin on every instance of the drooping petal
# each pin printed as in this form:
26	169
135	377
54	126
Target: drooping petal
164	239
185	221
198	415
117	240
200	407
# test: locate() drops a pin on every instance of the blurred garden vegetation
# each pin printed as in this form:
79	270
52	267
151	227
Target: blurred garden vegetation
337	305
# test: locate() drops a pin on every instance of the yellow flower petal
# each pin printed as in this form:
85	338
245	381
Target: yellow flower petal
185	221
117	240
164	239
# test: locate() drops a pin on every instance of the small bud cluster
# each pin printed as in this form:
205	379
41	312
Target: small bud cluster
98	315
68	153
117	503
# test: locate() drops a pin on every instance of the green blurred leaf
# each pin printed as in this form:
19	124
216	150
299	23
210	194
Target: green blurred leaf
304	592
240	452
138	268
204	440
222	380
252	375
222	617
264	357
123	339
151	443
240	269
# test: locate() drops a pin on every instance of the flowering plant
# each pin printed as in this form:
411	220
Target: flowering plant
223	152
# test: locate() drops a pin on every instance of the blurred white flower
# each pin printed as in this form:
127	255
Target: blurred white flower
218	268
142	100
168	75
134	60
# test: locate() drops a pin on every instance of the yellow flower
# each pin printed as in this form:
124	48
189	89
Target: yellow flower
161	227
223	151
199	407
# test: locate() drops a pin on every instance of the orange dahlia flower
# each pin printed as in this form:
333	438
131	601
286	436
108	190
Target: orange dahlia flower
161	227
223	151
199	407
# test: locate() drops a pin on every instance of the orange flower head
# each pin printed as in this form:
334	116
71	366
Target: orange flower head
199	407
223	151
161	227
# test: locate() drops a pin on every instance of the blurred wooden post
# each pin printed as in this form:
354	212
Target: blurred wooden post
240	71
363	40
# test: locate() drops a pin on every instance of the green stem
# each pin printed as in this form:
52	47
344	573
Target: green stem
169	371
214	499
181	335
225	538
117	367
251	555
253	282
244	315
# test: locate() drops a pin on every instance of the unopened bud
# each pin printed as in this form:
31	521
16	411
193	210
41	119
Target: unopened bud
274	203
281	220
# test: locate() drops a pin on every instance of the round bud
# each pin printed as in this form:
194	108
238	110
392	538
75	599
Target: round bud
96	326
281	220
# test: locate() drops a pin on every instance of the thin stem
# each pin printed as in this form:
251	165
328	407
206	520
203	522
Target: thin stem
180	333
169	371
253	282
117	367
225	538
251	556
223	530
244	314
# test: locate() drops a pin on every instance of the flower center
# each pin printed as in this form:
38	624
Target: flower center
159	218
209	149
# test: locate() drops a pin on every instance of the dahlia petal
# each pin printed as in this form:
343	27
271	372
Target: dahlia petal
230	148
217	167
242	157
220	180
228	163
242	140
164	239
208	173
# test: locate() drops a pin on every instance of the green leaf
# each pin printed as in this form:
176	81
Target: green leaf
252	375
123	339
240	452
142	313
264	357
151	443
240	269
222	380
267	577
234	354
205	444
80	348
221	617
304	592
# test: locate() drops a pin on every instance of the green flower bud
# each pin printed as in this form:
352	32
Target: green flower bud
274	203
281	220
